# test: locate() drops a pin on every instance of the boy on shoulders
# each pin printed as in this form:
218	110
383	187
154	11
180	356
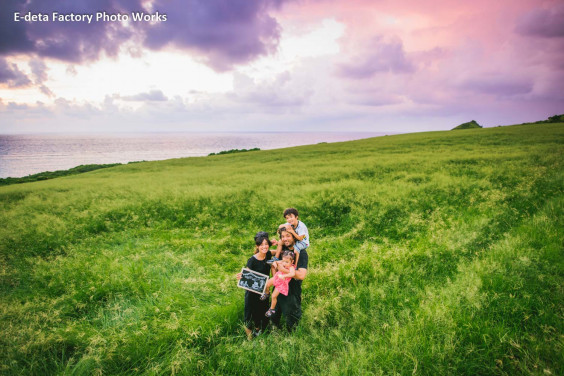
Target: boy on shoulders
298	229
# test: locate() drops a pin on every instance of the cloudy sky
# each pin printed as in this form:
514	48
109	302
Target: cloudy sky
275	65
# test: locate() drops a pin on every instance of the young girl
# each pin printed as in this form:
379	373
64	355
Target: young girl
286	271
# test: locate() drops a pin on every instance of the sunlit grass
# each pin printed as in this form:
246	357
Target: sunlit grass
432	253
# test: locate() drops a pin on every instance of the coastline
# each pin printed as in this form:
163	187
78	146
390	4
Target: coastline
31	154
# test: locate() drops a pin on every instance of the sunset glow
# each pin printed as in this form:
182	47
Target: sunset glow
281	65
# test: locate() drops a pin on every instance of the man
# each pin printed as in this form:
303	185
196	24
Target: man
291	305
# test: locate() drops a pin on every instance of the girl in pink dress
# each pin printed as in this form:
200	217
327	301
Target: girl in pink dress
286	271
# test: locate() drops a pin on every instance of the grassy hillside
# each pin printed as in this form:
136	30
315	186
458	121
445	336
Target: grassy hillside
470	125
432	253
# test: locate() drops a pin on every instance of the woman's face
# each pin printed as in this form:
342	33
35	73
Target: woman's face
264	246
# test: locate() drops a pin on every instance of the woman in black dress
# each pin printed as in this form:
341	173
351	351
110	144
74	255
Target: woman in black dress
255	321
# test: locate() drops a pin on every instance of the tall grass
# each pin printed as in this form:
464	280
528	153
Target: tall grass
432	253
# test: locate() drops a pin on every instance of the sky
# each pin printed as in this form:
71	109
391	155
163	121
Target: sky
278	65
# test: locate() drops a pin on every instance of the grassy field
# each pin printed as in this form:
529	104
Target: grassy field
432	253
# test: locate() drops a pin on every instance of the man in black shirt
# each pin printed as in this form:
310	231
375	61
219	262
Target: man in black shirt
291	305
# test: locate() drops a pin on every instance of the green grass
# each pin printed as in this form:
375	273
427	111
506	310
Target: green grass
432	253
56	174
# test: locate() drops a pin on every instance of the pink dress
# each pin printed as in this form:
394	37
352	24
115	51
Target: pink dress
281	283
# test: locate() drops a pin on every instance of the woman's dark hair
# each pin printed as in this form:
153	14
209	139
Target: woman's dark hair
261	236
290	211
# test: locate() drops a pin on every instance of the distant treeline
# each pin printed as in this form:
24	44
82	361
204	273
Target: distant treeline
474	123
551	119
55	174
233	151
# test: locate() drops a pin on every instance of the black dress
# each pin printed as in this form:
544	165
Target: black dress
254	307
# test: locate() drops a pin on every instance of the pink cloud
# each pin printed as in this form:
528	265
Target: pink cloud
447	57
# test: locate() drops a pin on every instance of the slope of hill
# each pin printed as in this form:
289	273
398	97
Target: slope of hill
431	253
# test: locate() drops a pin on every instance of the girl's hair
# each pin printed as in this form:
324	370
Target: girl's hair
260	237
289	254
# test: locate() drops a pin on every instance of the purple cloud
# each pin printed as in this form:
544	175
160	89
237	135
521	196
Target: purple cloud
545	23
153	95
39	73
45	90
222	32
225	32
39	70
80	41
498	85
282	93
67	41
381	57
377	100
16	106
11	75
13	35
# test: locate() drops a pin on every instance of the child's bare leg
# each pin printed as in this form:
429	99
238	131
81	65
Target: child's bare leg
274	298
271	311
267	289
269	284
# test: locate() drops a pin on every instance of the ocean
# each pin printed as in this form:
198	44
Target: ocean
22	155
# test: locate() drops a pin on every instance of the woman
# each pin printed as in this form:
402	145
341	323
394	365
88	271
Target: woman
255	308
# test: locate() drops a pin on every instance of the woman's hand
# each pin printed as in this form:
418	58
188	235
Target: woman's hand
238	276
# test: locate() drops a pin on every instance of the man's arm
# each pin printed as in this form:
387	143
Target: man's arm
278	249
290	274
301	274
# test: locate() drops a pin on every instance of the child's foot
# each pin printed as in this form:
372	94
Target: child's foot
270	312
274	259
264	296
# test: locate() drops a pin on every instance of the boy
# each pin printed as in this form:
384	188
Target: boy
298	229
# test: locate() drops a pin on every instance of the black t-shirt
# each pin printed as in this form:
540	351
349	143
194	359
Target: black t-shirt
260	265
295	286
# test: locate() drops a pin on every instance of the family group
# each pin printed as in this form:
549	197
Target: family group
287	264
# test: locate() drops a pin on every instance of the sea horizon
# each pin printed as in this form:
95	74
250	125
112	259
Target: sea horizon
24	154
